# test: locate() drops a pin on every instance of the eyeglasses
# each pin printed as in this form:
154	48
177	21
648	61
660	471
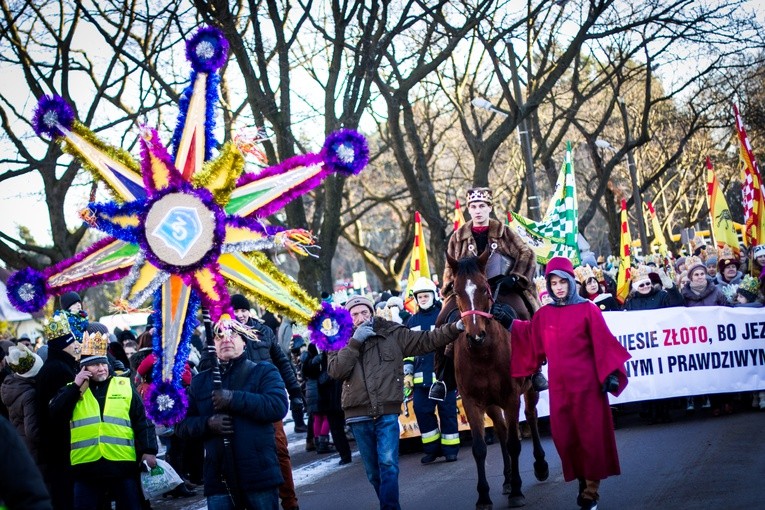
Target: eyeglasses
644	284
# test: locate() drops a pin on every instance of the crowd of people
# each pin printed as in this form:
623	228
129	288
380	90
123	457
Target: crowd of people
76	402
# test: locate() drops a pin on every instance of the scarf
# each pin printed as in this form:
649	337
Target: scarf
698	288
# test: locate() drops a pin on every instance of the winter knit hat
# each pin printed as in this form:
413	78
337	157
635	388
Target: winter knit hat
239	302
559	264
360	300
23	362
758	251
97	327
69	299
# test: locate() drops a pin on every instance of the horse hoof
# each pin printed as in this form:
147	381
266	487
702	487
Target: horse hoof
541	471
516	501
507	489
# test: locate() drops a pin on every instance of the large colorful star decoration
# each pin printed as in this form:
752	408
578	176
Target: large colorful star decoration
181	226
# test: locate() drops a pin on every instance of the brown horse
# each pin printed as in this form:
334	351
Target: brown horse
482	364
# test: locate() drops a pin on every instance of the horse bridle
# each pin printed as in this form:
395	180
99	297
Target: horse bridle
488	315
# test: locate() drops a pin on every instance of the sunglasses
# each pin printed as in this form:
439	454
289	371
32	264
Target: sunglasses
644	284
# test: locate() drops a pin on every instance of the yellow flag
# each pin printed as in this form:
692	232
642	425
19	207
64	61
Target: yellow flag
459	218
719	214
625	241
418	266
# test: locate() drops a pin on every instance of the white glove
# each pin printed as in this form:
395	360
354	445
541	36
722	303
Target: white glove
666	281
460	325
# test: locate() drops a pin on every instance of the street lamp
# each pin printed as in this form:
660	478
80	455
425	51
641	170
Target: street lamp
637	197
532	200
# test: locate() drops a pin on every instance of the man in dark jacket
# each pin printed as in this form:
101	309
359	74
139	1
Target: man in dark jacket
372	371
252	398
57	371
110	434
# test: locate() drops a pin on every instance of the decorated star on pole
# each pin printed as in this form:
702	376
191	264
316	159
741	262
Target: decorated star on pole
181	226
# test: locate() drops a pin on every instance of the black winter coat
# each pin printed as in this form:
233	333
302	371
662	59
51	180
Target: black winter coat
57	371
259	400
654	300
21	485
267	349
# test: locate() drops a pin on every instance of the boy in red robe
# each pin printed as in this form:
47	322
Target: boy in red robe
585	362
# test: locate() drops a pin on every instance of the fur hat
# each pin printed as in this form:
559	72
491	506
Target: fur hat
68	299
94	348
480	195
23	362
239	302
360	300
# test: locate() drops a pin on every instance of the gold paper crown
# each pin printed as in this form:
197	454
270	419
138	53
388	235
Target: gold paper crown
750	284
692	262
697	241
480	195
725	253
541	284
93	345
56	327
641	273
598	274
582	273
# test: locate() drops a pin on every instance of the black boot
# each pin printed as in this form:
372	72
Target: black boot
539	382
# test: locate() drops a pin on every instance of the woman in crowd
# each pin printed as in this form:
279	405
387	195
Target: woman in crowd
592	289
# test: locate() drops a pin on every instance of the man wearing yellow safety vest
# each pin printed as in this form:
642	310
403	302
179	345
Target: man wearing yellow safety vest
110	435
419	376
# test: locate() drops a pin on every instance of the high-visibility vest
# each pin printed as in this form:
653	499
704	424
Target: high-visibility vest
110	437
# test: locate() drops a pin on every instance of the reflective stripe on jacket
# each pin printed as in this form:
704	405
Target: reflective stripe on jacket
109	437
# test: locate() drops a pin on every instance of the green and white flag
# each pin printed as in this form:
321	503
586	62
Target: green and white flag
555	235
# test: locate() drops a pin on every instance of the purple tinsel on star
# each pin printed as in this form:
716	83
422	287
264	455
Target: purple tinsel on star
207	50
27	290
156	402
345	151
288	195
154	147
341	318
219	233
50	113
254	225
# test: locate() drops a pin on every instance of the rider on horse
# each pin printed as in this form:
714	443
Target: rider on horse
510	269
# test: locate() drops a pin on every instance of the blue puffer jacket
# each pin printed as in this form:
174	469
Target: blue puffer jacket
259	400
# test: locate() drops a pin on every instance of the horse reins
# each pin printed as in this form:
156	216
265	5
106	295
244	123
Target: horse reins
488	315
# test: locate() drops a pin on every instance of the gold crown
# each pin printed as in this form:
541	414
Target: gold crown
480	195
697	242
598	272
94	344
692	262
541	284
56	327
641	273
725	253
583	273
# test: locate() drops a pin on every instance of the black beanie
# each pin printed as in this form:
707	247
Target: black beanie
61	342
239	302
97	327
69	299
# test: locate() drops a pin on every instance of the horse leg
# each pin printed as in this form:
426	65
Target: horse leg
516	497
475	418
541	469
501	431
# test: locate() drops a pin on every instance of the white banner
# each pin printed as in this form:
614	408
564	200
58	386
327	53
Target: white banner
680	352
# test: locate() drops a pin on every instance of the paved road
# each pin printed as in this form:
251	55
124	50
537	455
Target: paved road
695	462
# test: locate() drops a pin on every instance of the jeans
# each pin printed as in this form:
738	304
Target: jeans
377	441
263	500
125	492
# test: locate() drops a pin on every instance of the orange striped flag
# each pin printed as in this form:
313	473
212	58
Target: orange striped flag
753	190
625	271
418	265
459	218
723	230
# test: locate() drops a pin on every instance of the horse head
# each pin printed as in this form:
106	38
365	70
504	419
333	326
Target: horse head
474	297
